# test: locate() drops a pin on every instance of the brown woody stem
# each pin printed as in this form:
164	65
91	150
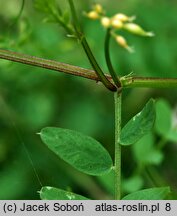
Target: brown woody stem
126	82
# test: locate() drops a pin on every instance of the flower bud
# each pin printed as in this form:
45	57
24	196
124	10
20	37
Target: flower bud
123	43
124	18
121	17
105	21
98	8
136	29
117	24
93	15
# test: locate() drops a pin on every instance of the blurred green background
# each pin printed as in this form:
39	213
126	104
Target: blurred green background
33	98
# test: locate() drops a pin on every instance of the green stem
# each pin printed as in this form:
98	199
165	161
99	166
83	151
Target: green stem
108	60
96	67
148	82
74	16
117	163
88	51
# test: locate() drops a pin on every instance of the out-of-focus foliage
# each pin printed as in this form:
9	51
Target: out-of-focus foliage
33	98
149	194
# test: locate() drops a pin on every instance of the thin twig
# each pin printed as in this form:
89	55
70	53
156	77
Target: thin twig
48	64
126	82
80	35
108	60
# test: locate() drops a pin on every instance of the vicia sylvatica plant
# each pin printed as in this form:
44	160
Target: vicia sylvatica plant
85	153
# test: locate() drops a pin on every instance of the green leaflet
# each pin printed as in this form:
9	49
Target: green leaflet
157	193
82	152
51	193
139	125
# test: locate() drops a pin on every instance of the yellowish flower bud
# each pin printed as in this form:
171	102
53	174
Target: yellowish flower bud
105	21
93	15
123	43
117	24
98	8
121	40
121	17
136	29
